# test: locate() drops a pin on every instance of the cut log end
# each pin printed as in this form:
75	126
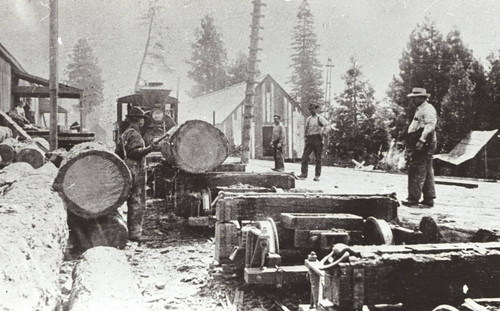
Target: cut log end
94	183
197	147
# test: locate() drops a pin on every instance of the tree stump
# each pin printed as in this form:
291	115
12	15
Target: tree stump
93	183
34	234
103	280
195	147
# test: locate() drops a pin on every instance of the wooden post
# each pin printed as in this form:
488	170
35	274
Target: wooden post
53	83
252	69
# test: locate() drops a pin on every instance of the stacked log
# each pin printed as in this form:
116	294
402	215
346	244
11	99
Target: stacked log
103	280
195	147
94	183
30	151
34	235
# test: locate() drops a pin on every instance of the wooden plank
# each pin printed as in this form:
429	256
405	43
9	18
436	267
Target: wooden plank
321	221
268	276
259	206
266	180
226	238
456	182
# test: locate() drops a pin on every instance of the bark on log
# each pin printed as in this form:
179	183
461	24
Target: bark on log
34	233
93	183
31	154
195	147
8	149
109	230
5	133
103	280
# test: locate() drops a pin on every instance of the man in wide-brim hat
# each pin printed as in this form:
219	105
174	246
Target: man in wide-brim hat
278	143
421	144
134	151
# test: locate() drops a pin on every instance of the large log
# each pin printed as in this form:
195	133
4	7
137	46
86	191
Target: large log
103	280
93	182
8	149
34	234
108	230
195	147
259	206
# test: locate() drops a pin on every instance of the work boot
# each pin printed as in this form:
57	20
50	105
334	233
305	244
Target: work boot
409	203
316	178
302	176
427	203
274	169
280	170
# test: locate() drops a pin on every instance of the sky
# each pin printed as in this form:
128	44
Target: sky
375	32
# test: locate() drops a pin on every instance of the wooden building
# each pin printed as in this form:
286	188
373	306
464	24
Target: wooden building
16	84
225	109
477	155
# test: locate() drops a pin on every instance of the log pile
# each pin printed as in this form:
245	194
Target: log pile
34	235
103	280
31	151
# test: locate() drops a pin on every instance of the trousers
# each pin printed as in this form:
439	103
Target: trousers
279	162
314	143
421	177
136	202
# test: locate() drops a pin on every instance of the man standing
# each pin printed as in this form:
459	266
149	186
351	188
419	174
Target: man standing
421	146
314	141
277	142
134	152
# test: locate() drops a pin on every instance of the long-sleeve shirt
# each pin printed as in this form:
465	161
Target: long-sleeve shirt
133	144
313	126
279	134
426	118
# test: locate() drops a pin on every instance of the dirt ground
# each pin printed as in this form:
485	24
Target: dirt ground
176	269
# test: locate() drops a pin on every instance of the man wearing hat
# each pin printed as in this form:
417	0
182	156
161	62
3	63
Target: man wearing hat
421	147
134	152
277	142
314	141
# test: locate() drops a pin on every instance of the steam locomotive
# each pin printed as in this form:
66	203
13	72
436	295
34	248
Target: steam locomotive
160	108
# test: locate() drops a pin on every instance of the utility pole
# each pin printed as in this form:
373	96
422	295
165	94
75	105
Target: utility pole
252	69
328	85
53	83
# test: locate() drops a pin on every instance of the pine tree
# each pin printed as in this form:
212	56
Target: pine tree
491	112
208	60
362	130
458	107
424	64
306	79
84	72
237	71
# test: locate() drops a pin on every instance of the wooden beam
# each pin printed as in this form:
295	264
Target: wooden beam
42	91
276	276
266	180
259	206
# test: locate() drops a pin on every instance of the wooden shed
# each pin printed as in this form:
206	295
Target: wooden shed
477	155
224	109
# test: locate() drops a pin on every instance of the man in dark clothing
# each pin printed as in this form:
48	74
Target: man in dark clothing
278	142
314	142
421	147
134	152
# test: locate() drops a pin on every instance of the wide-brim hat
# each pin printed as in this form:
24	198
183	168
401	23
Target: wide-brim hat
315	106
277	116
418	92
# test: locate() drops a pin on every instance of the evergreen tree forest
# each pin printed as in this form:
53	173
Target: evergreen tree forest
83	71
362	129
462	90
208	60
306	79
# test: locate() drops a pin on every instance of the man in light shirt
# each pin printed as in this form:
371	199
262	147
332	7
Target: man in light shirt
421	147
314	141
